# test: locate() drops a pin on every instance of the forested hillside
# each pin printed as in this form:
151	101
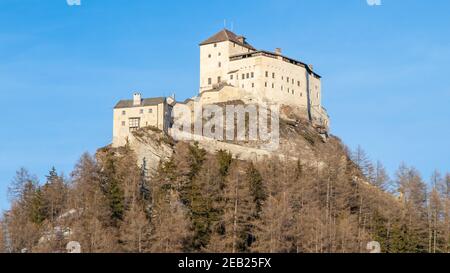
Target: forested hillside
204	202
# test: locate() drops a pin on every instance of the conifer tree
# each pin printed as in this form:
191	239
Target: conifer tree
171	224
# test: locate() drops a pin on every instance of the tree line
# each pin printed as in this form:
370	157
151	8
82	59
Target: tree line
204	202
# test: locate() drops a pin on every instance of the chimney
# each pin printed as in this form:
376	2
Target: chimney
278	51
311	67
241	39
137	99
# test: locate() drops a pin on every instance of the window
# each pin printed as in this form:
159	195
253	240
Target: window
220	64
281	88
253	85
282	77
273	85
134	123
292	81
301	94
248	75
243	76
231	76
288	90
265	84
124	112
209	55
150	111
219	79
234	44
293	92
287	79
123	123
267	74
209	81
298	83
215	45
253	75
220	54
141	111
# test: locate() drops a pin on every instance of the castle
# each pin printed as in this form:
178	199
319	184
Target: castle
231	69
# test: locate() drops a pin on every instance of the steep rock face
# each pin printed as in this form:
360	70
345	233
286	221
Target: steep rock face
299	140
151	145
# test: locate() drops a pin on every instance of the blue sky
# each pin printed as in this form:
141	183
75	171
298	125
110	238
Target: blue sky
386	81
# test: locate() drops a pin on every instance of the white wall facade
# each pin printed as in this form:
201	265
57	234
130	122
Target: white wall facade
124	120
269	78
214	62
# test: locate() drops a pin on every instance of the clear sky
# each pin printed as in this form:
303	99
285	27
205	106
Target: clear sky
386	80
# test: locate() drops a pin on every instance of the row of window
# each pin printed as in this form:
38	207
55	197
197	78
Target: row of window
252	75
141	111
288	80
219	79
134	122
218	54
289	90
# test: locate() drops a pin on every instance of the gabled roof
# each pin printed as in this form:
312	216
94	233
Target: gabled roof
226	35
144	102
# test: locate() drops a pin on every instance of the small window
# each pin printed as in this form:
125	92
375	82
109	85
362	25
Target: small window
231	76
287	79
209	81
150	111
253	85
273	75
134	123
265	84
282	77
281	88
220	64
209	55
293	92
215	45
293	81
124	112
141	111
301	94
248	75
220	54
243	76
267	74
219	79
273	85
234	44
253	75
298	83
